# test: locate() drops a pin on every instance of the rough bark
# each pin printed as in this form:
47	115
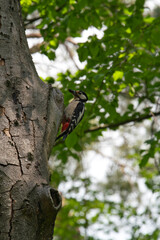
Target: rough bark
30	114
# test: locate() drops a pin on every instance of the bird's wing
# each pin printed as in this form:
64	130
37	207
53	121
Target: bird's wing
76	118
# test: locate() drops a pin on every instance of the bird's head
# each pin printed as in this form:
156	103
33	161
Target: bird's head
82	96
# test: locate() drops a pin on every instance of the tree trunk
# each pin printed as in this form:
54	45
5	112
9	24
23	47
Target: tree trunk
30	114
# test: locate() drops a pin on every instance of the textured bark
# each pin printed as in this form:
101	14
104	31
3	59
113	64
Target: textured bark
30	114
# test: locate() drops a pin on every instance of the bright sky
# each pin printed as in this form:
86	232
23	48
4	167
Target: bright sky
152	3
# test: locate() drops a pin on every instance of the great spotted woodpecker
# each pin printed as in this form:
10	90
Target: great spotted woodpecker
73	113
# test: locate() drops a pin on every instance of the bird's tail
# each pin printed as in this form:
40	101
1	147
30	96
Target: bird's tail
63	134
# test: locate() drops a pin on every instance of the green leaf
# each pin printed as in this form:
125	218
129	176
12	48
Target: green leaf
71	140
144	160
117	75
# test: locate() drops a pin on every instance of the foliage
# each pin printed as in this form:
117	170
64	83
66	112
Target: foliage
121	78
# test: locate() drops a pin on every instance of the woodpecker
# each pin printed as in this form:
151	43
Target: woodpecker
73	113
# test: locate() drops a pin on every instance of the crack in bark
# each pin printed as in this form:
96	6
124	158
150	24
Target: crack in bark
14	144
11	218
19	159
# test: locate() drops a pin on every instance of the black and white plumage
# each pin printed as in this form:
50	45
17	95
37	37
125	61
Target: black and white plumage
73	113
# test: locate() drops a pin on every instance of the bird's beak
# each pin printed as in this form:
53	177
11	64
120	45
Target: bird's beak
72	91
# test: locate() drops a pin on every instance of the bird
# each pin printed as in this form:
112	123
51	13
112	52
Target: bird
73	113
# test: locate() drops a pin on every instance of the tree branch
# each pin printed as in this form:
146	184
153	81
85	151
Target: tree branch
34	35
36	48
121	123
29	21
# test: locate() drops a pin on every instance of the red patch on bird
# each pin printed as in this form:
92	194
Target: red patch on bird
64	126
